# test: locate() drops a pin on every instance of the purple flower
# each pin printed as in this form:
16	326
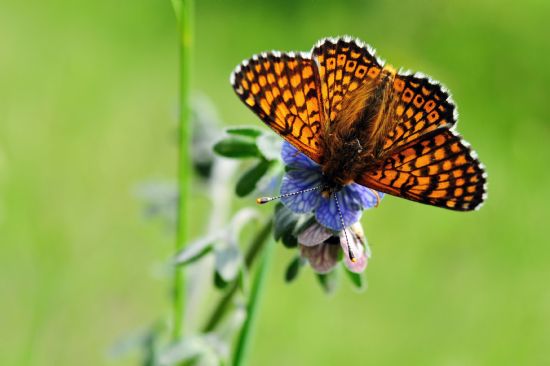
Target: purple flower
322	248
304	174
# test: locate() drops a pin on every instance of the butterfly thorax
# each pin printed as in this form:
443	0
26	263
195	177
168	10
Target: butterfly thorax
342	158
353	141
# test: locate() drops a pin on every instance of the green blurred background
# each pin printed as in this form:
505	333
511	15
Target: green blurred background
88	111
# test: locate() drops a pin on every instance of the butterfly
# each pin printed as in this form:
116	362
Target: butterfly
365	122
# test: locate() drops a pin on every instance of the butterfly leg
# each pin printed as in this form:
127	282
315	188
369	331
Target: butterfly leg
377	197
350	252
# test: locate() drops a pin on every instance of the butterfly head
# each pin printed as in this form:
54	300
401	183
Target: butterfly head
329	187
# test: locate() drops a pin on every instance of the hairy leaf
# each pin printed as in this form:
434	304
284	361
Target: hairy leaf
293	269
285	221
270	146
237	147
328	281
248	181
357	279
248	131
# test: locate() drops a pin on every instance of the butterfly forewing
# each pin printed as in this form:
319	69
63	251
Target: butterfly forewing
437	169
283	89
344	65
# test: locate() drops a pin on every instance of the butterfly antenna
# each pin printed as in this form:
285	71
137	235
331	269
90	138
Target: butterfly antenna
263	200
350	252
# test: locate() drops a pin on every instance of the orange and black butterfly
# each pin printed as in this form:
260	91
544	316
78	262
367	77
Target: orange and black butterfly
365	122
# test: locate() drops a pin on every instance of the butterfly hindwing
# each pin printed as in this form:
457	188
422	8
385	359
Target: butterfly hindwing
283	90
344	65
437	169
421	106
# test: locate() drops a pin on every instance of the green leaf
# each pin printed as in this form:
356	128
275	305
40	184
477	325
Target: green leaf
304	222
243	281
197	249
176	4
150	352
192	254
244	131
285	221
247	182
189	351
289	240
237	147
357	279
219	282
227	261
145	340
259	284
270	145
328	281
293	269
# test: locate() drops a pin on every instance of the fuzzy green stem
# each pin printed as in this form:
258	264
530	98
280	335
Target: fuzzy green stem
255	247
185	17
243	344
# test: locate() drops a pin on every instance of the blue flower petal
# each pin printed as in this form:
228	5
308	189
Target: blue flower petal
295	159
296	181
328	216
363	195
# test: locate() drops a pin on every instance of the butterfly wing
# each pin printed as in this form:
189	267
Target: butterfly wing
283	90
421	106
422	159
344	65
438	169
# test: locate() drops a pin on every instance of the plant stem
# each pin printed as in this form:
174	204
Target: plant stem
185	17
245	337
255	247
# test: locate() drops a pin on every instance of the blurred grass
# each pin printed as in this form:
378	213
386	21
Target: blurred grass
88	110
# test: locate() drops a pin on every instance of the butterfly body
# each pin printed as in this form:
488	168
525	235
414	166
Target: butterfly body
365	122
352	144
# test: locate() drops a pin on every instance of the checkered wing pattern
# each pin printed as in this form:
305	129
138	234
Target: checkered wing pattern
437	169
344	65
421	105
284	91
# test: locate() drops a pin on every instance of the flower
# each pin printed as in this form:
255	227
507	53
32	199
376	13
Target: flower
322	248
301	193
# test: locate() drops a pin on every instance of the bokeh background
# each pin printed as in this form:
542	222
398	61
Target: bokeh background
88	96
